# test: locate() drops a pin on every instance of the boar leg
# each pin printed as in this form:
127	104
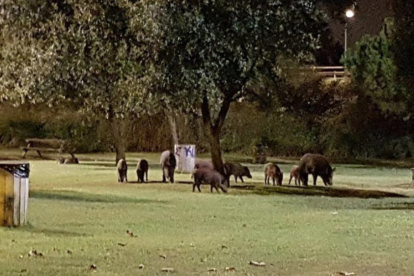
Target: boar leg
165	174
146	173
171	175
304	178
215	187
315	176
265	179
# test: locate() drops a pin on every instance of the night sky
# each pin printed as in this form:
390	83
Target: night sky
368	20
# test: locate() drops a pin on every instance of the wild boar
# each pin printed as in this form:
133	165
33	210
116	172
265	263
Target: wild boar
207	176
272	171
201	164
317	165
168	164
71	161
295	173
237	170
142	169
122	170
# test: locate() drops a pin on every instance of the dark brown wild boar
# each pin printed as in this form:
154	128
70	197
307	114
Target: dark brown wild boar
168	164
207	176
201	164
142	169
272	171
295	173
237	170
122	170
316	165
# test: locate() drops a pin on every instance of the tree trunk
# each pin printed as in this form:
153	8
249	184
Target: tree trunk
119	143
213	131
173	126
215	151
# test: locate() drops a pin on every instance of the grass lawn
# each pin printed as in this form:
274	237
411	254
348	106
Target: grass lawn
79	215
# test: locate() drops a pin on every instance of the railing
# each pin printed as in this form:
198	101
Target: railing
331	72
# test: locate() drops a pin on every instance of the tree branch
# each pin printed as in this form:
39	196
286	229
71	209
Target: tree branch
225	106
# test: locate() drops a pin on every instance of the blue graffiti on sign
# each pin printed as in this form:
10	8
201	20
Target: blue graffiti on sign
189	151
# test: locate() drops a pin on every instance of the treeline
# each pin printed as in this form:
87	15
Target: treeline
317	116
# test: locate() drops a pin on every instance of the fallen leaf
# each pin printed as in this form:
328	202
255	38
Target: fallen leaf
167	269
130	233
93	267
231	268
212	270
257	263
23	270
69	252
141	266
346	273
163	256
20	256
223	247
35	253
121	244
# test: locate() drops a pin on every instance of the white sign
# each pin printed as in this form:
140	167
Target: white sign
186	156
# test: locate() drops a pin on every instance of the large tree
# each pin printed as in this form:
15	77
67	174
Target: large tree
404	43
79	52
374	71
211	53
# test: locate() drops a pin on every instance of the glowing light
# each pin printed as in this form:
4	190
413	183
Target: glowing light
350	13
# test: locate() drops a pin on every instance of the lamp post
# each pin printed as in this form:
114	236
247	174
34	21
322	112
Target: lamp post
350	13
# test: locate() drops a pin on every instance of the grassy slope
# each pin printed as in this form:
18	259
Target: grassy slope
83	209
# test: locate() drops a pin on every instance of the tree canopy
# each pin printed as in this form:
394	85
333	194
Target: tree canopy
374	72
404	43
81	53
118	57
211	53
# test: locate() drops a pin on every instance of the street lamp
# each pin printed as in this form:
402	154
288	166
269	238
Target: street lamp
349	13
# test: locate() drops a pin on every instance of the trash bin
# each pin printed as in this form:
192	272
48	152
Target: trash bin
14	192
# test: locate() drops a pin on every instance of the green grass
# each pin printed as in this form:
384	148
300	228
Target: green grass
83	209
